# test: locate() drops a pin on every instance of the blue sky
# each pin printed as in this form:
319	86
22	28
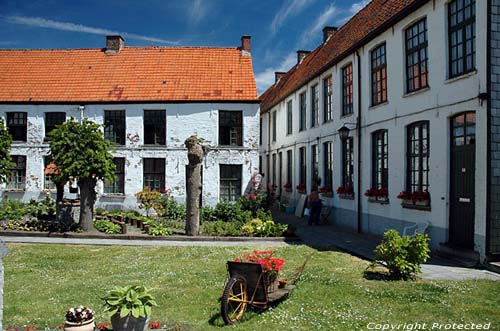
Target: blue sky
278	27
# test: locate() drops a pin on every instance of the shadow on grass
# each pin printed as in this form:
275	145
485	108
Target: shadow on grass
379	275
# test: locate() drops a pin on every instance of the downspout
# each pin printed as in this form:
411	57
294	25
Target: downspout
358	127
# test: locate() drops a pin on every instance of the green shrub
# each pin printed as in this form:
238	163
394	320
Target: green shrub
208	214
147	199
227	211
12	209
100	211
107	227
403	255
159	230
222	229
166	206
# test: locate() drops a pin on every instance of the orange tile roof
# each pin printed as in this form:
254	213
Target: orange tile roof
135	74
373	19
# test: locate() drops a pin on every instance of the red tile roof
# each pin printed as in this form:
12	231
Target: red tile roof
135	74
377	16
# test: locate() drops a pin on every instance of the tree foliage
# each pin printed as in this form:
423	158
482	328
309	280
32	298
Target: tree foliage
5	160
80	150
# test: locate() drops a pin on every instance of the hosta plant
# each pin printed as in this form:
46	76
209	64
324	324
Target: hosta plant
134	300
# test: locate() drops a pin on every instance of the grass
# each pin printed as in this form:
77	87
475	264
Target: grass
41	281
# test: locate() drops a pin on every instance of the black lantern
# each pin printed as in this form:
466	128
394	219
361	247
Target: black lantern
344	132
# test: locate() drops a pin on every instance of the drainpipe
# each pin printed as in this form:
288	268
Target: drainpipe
488	131
358	127
81	108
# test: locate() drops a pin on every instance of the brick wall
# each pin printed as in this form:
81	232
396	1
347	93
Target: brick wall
495	129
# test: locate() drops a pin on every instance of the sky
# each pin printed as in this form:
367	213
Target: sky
278	27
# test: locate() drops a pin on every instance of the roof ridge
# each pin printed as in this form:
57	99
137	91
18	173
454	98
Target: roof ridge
125	47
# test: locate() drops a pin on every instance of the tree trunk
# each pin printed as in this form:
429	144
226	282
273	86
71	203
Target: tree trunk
59	191
87	200
193	183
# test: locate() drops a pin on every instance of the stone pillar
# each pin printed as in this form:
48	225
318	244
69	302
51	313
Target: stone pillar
4	250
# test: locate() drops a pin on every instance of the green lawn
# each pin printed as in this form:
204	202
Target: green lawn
41	281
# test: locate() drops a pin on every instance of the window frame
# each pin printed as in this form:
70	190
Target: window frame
52	126
18	132
156	127
380	159
328	163
117	121
347	90
378	62
158	173
348	162
289	117
416	50
274	129
327	99
289	166
314	106
303	166
234	183
117	187
421	156
303	111
461	29
314	165
17	177
238	118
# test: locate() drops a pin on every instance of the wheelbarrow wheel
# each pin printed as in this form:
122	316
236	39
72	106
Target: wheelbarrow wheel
234	300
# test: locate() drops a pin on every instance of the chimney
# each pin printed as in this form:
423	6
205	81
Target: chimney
328	31
246	44
301	54
278	75
114	44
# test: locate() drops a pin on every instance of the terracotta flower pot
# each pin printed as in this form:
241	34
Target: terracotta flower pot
84	326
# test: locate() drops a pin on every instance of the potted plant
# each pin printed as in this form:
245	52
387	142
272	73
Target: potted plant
271	266
79	319
345	192
406	197
377	195
326	191
129	307
301	188
288	187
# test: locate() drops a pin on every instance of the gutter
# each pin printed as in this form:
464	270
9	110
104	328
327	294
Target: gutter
358	125
488	130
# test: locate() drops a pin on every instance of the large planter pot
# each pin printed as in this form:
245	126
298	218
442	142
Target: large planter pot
84	326
129	323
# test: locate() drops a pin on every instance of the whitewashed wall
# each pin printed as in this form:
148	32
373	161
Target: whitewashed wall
443	99
183	120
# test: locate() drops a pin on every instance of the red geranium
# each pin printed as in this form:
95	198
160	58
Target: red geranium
265	259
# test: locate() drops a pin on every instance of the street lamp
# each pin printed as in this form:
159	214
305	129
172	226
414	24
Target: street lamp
344	132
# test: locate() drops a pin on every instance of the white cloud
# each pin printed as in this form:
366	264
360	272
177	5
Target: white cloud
197	11
288	9
355	7
66	26
265	78
316	26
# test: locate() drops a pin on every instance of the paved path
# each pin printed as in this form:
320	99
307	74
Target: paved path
363	245
122	242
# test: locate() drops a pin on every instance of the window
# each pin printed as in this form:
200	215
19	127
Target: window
18	125
154	174
417	177
155	122
416	56
302	111
48	183
314	106
289	117
314	165
327	99
17	180
328	163
230	182
347	91
52	120
289	167
274	169
302	166
461	37
379	75
280	173
347	162
114	126
118	185
260	131
230	128
274	126
380	172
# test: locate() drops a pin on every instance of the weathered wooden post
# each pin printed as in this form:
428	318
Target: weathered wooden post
4	250
193	185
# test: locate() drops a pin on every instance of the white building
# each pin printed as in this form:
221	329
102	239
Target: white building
149	100
412	81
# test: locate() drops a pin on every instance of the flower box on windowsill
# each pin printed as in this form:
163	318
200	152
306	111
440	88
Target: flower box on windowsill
289	189
417	204
301	191
326	194
381	200
346	196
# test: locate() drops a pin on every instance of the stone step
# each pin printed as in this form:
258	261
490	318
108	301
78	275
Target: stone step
493	266
463	257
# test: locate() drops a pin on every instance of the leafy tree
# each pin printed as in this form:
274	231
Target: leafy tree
80	150
5	160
